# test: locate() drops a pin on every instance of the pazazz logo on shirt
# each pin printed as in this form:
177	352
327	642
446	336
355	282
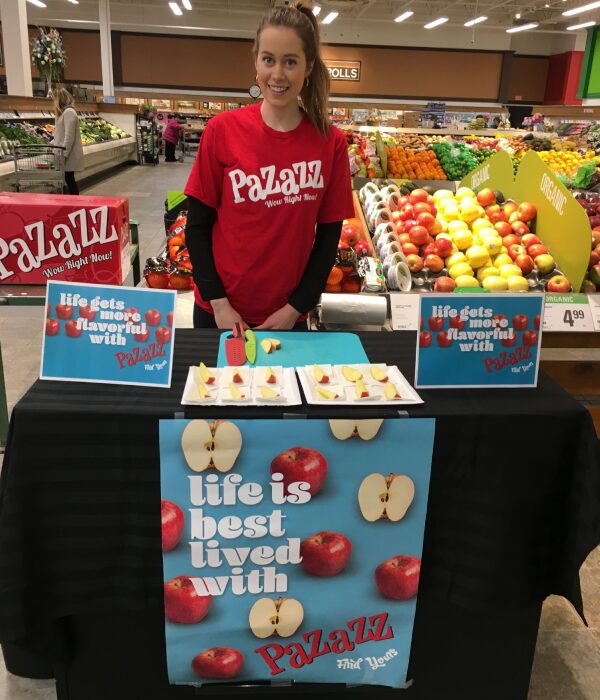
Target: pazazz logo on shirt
301	176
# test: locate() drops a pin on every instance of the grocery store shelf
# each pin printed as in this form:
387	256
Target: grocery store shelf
438	132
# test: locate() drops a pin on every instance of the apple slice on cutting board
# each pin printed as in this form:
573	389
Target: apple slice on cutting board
211	445
366	429
385	497
280	617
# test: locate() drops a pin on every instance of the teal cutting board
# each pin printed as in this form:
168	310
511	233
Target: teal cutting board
305	348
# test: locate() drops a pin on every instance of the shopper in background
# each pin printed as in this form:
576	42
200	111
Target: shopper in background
68	135
171	138
265	176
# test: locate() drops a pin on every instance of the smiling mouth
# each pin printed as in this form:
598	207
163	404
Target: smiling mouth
278	89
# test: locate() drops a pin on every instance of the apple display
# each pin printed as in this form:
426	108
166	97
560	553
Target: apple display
398	578
325	553
530	239
301	464
218	663
443	247
418	235
183	604
211	445
345	428
385	497
172	522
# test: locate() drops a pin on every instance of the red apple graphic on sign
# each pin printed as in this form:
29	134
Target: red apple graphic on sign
443	339
398	577
52	326
435	323
142	337
64	311
132	314
153	317
172	521
520	322
457	322
218	663
326	553
425	339
509	342
170	318
499	321
536	322
301	464
72	330
182	604
87	312
530	338
163	335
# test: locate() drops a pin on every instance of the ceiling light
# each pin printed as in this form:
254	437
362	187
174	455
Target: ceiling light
477	20
583	8
330	17
522	28
404	15
187	4
436	22
316	10
175	9
518	15
74	2
581	26
37	3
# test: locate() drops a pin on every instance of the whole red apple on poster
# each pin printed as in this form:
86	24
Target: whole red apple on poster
520	322
64	311
87	312
530	338
325	553
301	464
163	335
182	604
398	578
218	663
443	339
72	330
52	326
425	339
153	317
172	522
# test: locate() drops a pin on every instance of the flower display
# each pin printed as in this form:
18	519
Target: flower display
48	54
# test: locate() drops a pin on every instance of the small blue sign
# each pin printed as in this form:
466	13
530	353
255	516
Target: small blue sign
108	334
479	340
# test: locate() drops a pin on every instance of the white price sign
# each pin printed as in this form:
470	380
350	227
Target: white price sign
594	302
405	311
568	312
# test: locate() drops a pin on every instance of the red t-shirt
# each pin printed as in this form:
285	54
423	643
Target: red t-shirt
270	189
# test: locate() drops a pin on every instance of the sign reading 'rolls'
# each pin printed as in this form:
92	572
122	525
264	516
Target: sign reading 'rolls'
343	70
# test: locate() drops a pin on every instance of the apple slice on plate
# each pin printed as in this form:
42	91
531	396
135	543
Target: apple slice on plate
329	394
320	374
271	376
391	392
235	393
199	392
360	392
379	373
235	375
205	374
269	393
350	374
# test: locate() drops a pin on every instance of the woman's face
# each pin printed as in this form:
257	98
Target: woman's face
281	66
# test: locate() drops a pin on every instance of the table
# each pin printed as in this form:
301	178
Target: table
513	513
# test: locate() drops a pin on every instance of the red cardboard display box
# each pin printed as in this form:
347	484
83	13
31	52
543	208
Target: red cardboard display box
63	237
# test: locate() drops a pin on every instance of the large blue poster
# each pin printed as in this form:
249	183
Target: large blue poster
479	340
103	333
292	548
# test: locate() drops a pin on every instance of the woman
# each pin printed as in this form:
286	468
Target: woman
171	138
265	176
67	135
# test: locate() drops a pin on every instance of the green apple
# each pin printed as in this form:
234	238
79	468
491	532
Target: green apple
545	263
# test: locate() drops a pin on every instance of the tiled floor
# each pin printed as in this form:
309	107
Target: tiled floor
567	661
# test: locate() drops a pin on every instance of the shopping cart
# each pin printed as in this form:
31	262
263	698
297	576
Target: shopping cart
39	166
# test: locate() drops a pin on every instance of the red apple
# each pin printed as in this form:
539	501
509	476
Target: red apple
530	239
435	323
558	283
414	262
537	320
409	223
497	216
64	311
509	207
418	195
594	259
218	663
530	338
326	553
444	285
163	335
421	208
396	216
520	322
443	339
537	249
418	235
527	211
132	315
410	249
443	247
406	212
512	239
182	604
398	578
503	228
87	312
351	285
515	250
486	197
428	249
457	322
594	274
350	234
588	287
525	262
404	238
172	521
72	329
142	337
153	317
361	248
52	326
509	342
434	263
301	464
425	339
499	321
520	228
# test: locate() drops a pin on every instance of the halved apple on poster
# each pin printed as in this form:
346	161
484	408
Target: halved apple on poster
211	445
385	497
343	429
280	617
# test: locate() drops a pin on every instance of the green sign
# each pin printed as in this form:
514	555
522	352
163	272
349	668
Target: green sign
496	172
566	299
589	83
174	197
561	222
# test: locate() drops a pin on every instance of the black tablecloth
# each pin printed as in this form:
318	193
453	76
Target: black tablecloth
514	505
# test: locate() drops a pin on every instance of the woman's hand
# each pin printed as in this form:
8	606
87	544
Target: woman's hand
282	320
225	315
